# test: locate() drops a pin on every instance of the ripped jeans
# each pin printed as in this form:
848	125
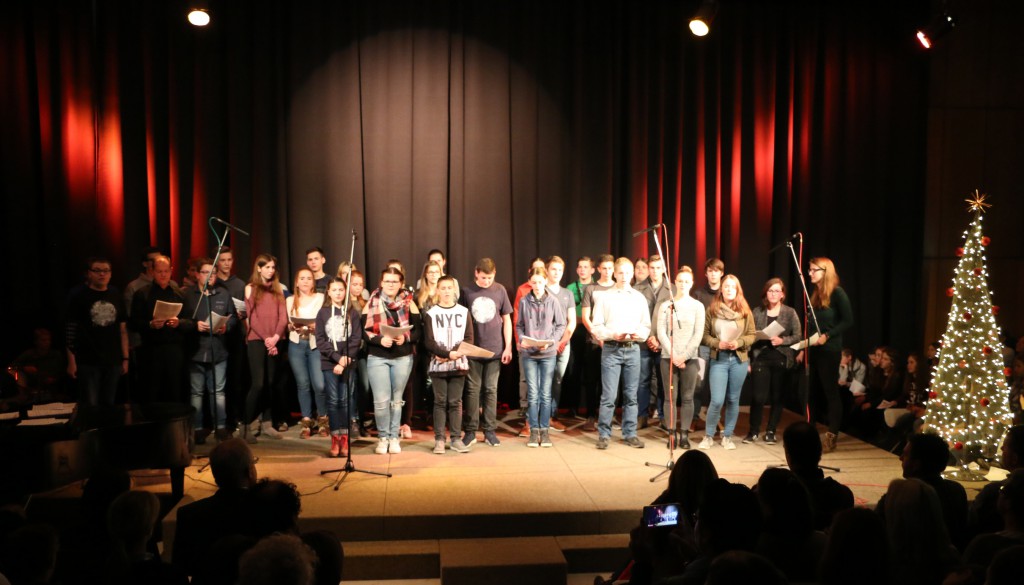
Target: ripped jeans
388	377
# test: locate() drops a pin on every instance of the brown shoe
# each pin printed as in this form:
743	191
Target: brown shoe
590	426
307	428
828	445
556	425
525	431
641	422
324	426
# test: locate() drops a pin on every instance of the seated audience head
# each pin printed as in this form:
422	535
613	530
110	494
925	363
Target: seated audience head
1012	450
857	550
785	503
275	506
802	445
233	465
1011	501
914	523
729	519
691	475
1005	567
281	559
924	456
330	556
739	566
29	554
131	519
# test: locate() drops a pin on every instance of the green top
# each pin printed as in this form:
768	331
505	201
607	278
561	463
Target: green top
835	319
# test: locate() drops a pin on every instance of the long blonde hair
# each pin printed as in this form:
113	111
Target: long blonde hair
297	296
822	296
739	304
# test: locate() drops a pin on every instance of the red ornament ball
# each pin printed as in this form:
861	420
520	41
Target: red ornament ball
950	291
985	240
984	401
977	272
967	315
962	363
995	309
958	446
1007	372
959	252
986	350
933	395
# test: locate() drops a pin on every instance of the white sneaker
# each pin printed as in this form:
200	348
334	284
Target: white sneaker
728	444
382	447
439	446
706	443
395	446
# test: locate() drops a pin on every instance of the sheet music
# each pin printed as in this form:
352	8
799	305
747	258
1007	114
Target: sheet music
470	350
390	331
534	342
772	330
218	321
163	311
802	344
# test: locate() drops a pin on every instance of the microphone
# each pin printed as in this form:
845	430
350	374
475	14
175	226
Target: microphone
230	226
650	229
797	235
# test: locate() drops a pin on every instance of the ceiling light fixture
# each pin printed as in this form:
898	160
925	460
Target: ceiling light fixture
700	24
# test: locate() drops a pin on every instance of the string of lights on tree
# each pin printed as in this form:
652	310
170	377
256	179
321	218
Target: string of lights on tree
968	400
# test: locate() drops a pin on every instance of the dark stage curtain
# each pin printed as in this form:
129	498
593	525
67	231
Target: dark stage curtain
503	128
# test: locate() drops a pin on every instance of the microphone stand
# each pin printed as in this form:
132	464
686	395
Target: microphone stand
808	310
668	386
349	467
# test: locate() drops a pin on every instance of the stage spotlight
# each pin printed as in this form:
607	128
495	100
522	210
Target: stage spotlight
700	24
939	26
199	14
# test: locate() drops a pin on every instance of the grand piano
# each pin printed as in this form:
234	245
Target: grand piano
122	437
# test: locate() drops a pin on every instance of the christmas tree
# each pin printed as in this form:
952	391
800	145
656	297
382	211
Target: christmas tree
968	400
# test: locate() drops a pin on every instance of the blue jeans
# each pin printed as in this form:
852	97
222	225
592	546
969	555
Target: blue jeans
305	362
725	376
617	361
561	363
205	376
337	399
538	373
650	361
97	385
388	377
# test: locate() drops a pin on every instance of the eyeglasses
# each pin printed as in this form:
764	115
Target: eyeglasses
815	270
775	292
100	270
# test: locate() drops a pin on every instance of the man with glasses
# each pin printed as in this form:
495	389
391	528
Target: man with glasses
96	336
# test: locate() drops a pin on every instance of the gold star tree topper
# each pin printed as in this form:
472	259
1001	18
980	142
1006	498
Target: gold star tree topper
976	202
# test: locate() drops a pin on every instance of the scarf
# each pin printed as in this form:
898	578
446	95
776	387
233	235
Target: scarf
394	313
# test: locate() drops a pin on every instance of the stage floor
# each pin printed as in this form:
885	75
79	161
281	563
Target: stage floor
512	490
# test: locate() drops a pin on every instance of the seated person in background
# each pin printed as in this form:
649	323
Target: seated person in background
744	567
857	551
39	371
884	392
850	369
983	515
130	521
788	539
729	520
925	458
918	539
202	523
1010	504
803	453
660	552
281	559
29	554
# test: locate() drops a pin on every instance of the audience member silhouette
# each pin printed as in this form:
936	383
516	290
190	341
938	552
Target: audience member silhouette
925	457
744	567
202	523
29	555
921	550
274	507
802	445
788	538
857	551
330	556
280	559
130	521
984	547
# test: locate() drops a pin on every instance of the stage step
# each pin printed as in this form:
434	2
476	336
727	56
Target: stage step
482	560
